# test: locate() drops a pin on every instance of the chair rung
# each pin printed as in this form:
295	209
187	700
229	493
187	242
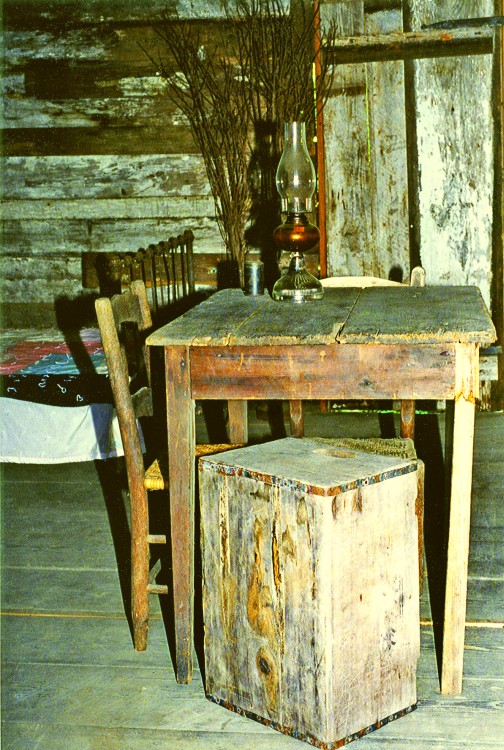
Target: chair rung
156	538
154	571
157	588
206	449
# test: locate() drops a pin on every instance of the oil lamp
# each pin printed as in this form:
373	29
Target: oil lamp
295	182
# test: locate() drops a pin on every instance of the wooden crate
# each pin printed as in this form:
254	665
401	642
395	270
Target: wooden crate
310	594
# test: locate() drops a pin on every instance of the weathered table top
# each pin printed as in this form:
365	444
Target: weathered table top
393	315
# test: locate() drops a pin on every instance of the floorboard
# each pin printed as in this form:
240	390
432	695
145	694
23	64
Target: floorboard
71	679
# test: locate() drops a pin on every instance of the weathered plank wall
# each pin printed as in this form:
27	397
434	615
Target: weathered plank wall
366	173
96	158
454	127
410	151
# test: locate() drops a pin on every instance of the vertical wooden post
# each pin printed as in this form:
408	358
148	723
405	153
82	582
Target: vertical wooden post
238	421
320	150
181	464
296	418
408	419
466	392
417	278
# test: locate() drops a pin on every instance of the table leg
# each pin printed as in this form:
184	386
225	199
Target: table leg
238	421
296	418
458	547
181	463
408	419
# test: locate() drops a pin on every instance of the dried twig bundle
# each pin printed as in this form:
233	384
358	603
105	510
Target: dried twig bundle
257	74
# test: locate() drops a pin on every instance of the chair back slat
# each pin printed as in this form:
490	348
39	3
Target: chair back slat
123	321
166	269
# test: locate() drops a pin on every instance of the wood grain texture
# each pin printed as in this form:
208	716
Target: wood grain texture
212	321
238	421
70	680
460	515
26	13
181	432
400	315
366	183
365	371
421	315
416	45
284	594
455	158
98	158
112	177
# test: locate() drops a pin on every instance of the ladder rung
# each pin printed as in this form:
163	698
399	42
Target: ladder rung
156	588
156	538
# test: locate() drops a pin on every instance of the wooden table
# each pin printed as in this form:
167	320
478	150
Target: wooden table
373	343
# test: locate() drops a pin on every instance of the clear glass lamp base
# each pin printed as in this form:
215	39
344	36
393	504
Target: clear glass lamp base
298	284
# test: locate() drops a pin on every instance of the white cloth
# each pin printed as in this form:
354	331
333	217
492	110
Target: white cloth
42	434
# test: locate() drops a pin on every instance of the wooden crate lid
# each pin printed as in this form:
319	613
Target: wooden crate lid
315	466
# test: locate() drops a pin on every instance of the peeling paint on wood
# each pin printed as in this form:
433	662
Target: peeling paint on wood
111	176
87	126
367	224
455	158
25	13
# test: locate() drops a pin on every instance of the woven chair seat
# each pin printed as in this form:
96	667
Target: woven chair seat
156	476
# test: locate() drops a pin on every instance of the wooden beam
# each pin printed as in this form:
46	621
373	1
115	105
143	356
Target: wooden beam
411	45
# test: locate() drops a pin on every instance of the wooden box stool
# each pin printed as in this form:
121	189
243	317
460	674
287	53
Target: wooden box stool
310	586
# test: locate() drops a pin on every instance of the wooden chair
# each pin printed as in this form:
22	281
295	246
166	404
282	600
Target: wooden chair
123	321
407	407
169	266
166	268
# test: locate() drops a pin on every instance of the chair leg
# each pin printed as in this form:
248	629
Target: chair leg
139	568
238	421
296	418
408	419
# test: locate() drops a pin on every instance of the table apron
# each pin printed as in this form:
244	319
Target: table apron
339	371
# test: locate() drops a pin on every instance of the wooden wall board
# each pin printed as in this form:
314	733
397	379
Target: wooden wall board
134	140
134	111
48	237
111	176
97	158
27	279
366	178
454	133
173	207
413	45
29	13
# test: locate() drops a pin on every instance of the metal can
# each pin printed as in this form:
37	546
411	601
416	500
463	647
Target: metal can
253	277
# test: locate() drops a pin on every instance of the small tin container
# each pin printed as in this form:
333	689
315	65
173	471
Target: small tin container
253	277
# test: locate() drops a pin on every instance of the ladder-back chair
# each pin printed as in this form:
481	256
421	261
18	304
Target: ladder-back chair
124	321
166	268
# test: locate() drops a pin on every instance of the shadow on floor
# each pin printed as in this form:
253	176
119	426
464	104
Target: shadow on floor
429	449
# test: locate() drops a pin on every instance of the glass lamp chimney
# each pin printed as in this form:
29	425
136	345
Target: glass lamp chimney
295	176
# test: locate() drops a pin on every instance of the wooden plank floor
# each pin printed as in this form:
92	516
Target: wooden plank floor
71	679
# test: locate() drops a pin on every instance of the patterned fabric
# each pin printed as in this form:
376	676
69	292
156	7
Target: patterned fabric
42	367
